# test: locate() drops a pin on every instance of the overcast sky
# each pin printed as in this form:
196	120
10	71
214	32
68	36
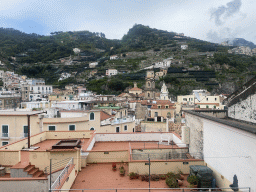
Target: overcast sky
208	20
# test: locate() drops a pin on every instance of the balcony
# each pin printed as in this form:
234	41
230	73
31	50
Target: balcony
24	135
5	136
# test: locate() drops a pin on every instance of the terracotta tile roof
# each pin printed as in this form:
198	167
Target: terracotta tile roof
142	95
135	89
104	115
126	94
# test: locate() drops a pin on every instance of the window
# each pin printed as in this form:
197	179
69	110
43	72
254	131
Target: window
149	84
125	128
148	94
51	127
92	129
42	88
25	130
72	127
32	88
91	116
159	106
206	99
166	106
184	99
207	106
117	129
215	99
46	88
5	131
133	130
5	143
38	88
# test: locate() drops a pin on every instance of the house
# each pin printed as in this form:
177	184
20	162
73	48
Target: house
184	47
110	72
113	57
93	64
88	147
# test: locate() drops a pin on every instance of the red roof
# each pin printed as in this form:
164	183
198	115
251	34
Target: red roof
104	115
135	89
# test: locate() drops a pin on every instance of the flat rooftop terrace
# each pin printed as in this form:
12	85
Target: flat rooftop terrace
125	145
47	144
101	176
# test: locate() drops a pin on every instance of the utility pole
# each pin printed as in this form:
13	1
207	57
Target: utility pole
149	173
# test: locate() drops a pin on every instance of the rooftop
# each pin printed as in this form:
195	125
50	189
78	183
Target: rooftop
230	122
90	176
124	145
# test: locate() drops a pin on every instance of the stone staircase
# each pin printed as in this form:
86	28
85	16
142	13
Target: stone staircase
25	169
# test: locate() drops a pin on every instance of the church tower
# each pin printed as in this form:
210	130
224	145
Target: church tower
150	85
164	93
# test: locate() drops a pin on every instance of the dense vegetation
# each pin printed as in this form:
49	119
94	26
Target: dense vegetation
39	56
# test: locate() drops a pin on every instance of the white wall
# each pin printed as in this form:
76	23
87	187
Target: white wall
244	110
131	137
230	151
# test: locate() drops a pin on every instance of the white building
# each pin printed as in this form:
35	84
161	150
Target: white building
113	57
184	47
164	93
110	72
64	76
93	65
227	146
76	50
41	89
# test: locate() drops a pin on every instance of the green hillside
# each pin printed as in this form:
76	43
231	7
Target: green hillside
41	56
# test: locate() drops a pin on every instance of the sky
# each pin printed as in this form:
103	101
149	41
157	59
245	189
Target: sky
207	20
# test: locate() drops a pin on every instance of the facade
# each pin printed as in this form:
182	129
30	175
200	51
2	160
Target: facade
164	93
110	72
150	85
242	103
135	90
113	57
228	148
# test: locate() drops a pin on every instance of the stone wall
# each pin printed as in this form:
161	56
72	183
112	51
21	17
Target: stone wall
195	125
244	110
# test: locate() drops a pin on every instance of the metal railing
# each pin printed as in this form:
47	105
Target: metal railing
56	166
153	144
5	135
165	156
241	189
64	172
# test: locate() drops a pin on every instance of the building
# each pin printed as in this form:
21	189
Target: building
86	148
113	57
150	89
93	64
135	90
164	93
110	72
228	144
184	47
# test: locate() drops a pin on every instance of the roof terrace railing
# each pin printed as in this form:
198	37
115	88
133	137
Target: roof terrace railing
165	156
57	183
241	189
57	166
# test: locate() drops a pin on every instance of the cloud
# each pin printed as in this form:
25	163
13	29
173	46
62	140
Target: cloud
223	12
223	34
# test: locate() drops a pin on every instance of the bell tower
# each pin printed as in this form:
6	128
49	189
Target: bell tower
150	85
